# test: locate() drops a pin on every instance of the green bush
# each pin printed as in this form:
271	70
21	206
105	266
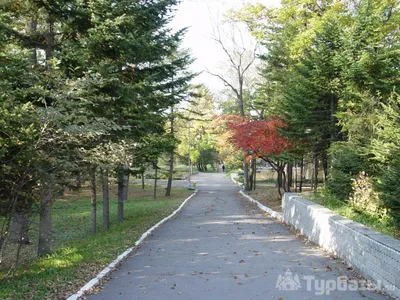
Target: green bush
364	197
381	222
346	164
390	190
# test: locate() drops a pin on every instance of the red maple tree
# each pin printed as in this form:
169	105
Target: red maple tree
262	139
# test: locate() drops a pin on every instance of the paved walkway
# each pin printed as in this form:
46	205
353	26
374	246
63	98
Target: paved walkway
221	247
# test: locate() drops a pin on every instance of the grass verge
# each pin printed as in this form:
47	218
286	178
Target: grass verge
382	224
80	255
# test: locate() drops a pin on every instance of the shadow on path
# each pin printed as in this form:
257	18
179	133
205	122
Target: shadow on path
221	247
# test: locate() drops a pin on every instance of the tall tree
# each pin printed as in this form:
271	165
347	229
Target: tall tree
65	62
237	77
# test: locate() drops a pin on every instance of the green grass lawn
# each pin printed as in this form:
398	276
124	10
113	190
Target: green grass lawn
80	255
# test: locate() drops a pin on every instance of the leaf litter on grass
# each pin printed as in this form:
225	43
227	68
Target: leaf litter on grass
81	255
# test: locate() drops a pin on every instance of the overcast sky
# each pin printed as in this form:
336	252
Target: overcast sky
201	16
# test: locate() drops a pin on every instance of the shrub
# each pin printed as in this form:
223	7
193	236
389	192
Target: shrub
364	197
345	165
390	190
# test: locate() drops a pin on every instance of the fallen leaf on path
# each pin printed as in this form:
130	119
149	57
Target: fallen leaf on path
329	268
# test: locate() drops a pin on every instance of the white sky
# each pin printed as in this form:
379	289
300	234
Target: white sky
199	16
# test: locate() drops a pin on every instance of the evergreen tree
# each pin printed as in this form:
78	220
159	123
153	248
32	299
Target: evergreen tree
82	79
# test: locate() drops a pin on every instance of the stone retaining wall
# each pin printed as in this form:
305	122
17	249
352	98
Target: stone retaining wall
375	255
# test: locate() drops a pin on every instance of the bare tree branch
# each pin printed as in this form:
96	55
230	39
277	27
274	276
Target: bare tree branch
226	83
253	59
230	57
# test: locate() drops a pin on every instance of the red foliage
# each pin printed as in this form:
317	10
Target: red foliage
260	137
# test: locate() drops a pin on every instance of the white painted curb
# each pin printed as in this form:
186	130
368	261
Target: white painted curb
233	177
95	281
268	210
237	182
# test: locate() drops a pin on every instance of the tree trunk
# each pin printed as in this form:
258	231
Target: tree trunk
93	202
126	184
170	174
7	221
106	199
250	176
279	181
289	178
155	181
296	164
143	180
49	36
312	174
120	216
254	174
284	180
325	165
19	229
301	175
246	175
33	30
78	180
44	247
279	178
171	156
240	98
333	104
315	172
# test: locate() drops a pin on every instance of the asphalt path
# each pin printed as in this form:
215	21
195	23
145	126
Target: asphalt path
222	247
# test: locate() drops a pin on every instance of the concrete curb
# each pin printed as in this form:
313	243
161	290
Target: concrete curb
268	210
237	182
95	281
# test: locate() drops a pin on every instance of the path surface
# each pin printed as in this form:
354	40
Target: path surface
221	247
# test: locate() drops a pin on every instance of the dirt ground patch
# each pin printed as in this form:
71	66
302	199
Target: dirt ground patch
268	196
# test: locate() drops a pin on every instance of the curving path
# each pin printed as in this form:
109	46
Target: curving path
221	247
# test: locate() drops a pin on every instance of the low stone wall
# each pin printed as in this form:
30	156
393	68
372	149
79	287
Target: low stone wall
375	255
